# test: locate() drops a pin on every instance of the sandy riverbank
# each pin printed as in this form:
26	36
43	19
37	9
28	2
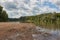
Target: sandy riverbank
24	31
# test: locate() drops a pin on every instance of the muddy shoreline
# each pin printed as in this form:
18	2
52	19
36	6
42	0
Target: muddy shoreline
25	31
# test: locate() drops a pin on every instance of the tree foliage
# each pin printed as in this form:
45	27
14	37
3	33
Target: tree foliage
47	20
3	15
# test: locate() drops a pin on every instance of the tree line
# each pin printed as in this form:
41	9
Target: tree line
47	20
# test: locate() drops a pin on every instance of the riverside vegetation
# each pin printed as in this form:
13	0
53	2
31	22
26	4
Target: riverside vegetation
45	20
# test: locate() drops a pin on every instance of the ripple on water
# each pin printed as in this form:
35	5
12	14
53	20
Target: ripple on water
42	37
54	34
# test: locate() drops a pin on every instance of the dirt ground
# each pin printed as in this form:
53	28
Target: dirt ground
16	31
23	31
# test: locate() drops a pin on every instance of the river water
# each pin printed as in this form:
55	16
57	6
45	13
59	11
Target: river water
47	34
57	31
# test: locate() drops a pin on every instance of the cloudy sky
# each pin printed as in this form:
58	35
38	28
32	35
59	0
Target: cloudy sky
18	8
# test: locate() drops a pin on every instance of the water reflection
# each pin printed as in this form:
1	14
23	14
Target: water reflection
47	34
52	30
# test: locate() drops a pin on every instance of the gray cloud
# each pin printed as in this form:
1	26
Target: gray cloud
27	1
10	6
24	8
35	10
58	3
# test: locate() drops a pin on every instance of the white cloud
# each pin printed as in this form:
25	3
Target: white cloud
17	8
54	1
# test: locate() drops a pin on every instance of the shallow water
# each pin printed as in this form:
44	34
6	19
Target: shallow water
56	31
47	34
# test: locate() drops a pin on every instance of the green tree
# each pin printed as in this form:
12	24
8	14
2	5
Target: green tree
3	15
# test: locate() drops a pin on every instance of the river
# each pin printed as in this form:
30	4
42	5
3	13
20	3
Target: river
47	34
